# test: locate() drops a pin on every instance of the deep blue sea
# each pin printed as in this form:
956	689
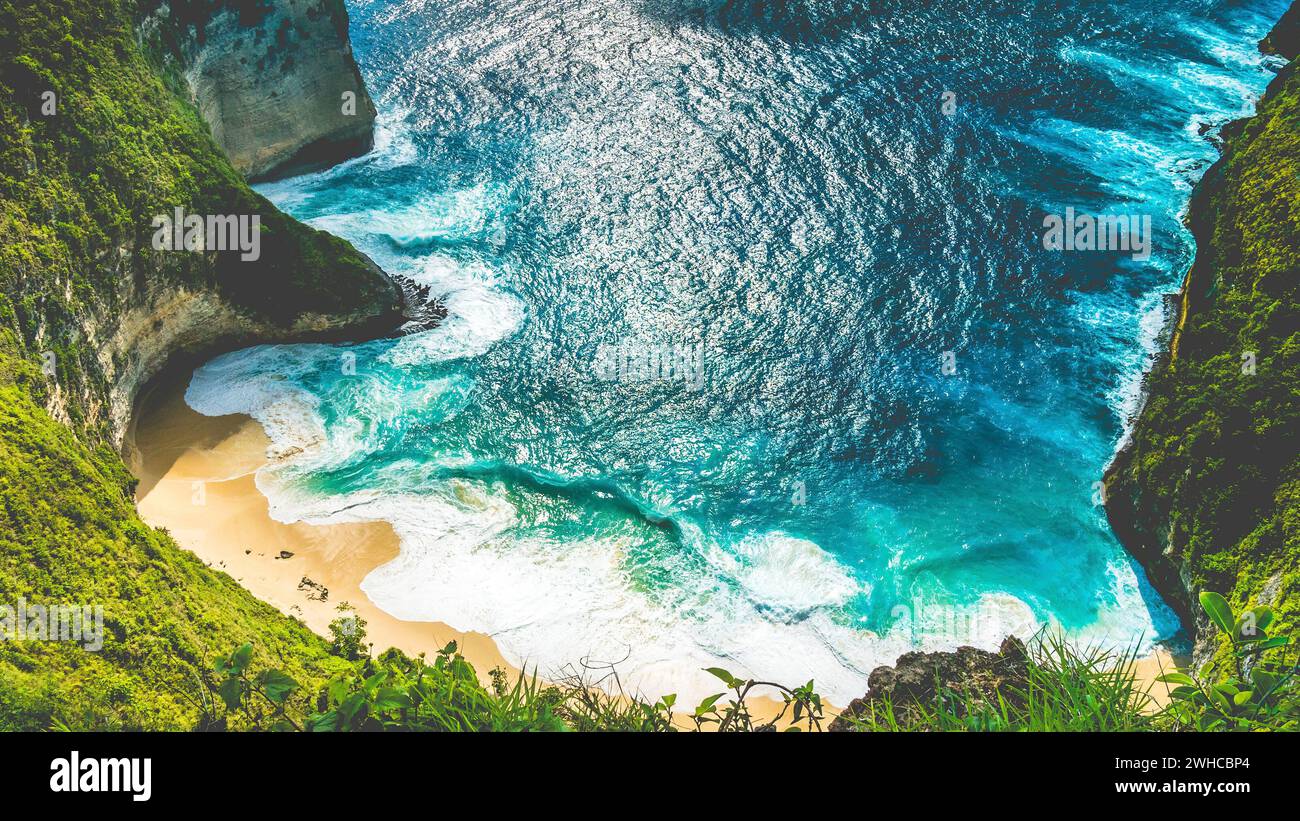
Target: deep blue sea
898	403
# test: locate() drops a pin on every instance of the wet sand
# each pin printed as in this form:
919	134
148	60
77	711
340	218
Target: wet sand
197	480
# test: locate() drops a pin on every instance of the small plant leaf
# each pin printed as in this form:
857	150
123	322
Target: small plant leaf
1184	693
1264	680
707	704
336	690
1263	616
232	692
1221	700
277	685
727	677
391	698
1216	607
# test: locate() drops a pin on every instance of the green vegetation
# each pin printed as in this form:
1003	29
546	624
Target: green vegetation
1208	494
69	534
396	692
1062	689
1260	693
1059	689
82	173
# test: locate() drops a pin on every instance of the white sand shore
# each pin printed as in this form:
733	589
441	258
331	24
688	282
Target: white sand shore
196	477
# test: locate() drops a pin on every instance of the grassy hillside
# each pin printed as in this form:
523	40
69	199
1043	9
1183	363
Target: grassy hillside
1208	494
78	188
69	534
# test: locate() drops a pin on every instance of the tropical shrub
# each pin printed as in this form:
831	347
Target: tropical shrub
1261	691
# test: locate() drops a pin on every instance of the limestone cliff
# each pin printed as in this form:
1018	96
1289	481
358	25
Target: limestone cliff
99	139
1206	494
274	79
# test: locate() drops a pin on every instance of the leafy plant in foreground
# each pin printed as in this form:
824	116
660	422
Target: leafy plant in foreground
348	634
802	703
445	695
1260	694
261	700
396	692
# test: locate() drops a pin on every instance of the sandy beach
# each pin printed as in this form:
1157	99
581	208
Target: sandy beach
197	480
1147	669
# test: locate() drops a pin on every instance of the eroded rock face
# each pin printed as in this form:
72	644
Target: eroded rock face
173	323
917	678
274	79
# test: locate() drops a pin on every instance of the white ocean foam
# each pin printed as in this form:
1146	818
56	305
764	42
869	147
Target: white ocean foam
261	382
449	215
421	224
1126	398
766	609
553	606
479	313
1237	48
788	575
394	144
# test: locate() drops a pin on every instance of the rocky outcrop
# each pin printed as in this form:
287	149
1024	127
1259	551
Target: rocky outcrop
918	679
274	80
87	292
177	325
1206	490
172	307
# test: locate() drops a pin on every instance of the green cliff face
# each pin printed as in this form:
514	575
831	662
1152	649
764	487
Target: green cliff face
97	140
97	137
69	535
1207	494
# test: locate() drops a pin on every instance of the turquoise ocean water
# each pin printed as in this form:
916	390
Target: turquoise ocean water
826	204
